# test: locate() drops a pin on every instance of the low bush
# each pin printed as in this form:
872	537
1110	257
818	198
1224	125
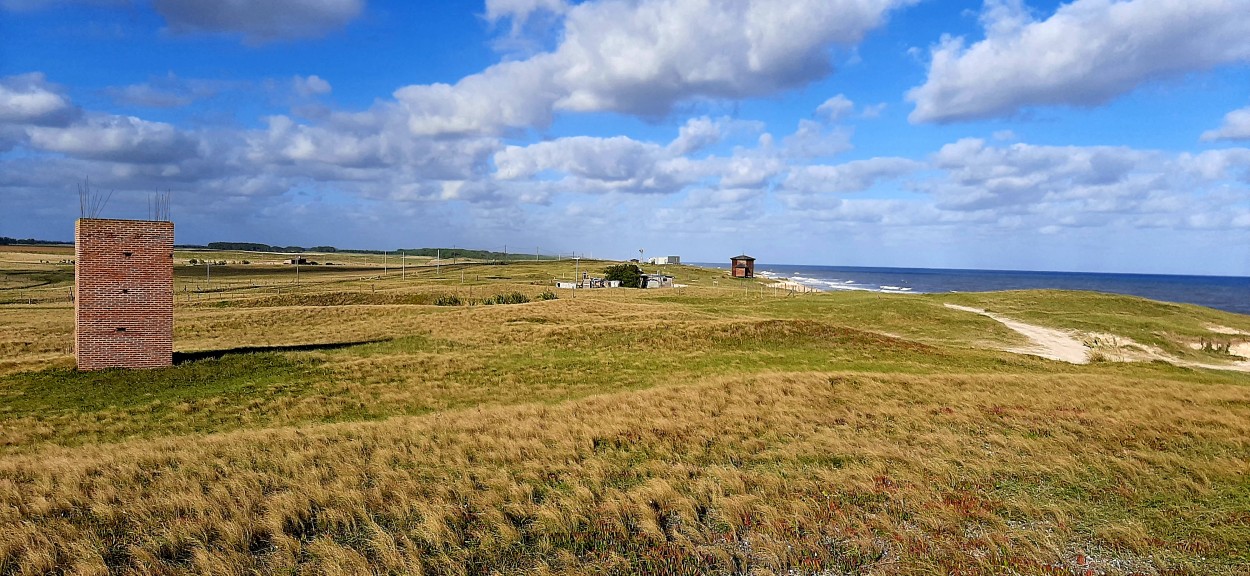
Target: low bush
1216	347
448	300
513	298
629	275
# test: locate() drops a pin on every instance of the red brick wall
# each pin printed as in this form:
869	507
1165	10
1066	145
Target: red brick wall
747	272
124	306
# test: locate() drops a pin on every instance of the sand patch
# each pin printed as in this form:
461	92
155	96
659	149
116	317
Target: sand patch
1226	330
1079	348
792	286
1045	342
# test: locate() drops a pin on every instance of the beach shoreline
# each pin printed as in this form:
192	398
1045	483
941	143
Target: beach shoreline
1226	293
792	286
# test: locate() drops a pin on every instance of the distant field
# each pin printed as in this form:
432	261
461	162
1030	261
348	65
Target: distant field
344	423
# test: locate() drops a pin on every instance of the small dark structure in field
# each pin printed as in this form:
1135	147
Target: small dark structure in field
742	266
124	280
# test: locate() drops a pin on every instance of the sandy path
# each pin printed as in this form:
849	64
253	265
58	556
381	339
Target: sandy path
1045	342
1064	346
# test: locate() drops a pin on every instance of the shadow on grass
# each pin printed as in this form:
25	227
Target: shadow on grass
185	357
234	377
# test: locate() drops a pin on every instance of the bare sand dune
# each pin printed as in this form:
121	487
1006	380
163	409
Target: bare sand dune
1225	330
1070	346
1045	342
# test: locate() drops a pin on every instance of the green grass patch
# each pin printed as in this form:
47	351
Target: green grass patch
71	408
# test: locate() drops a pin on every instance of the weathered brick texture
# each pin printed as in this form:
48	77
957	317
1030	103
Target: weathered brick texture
124	307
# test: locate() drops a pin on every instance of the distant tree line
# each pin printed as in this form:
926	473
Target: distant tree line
257	247
470	254
6	241
446	253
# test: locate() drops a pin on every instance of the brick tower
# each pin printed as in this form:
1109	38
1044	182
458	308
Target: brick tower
124	280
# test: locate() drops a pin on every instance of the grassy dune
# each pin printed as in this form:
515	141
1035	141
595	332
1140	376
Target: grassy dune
348	425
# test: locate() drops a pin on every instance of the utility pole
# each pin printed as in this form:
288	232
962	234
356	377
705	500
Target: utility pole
384	262
536	256
403	258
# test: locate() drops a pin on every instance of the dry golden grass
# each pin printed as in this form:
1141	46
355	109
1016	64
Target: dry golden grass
778	472
345	427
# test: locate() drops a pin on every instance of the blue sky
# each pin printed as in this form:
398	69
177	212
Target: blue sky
1093	135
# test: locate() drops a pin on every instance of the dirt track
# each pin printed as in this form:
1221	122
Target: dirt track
1068	347
1045	342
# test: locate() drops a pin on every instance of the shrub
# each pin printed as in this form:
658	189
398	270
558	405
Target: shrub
1216	347
547	295
513	298
630	275
448	300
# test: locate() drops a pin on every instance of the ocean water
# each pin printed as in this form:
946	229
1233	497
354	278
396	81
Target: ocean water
1231	293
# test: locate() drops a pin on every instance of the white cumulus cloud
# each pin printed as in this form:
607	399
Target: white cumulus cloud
853	176
30	99
1086	53
310	85
696	134
979	176
510	95
598	164
645	56
835	108
817	140
116	138
1236	126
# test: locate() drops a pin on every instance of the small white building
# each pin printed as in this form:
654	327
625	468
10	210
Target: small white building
664	260
656	281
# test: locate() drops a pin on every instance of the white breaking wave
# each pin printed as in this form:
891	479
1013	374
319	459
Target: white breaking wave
837	284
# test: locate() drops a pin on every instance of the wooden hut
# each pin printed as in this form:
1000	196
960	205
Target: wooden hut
742	266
